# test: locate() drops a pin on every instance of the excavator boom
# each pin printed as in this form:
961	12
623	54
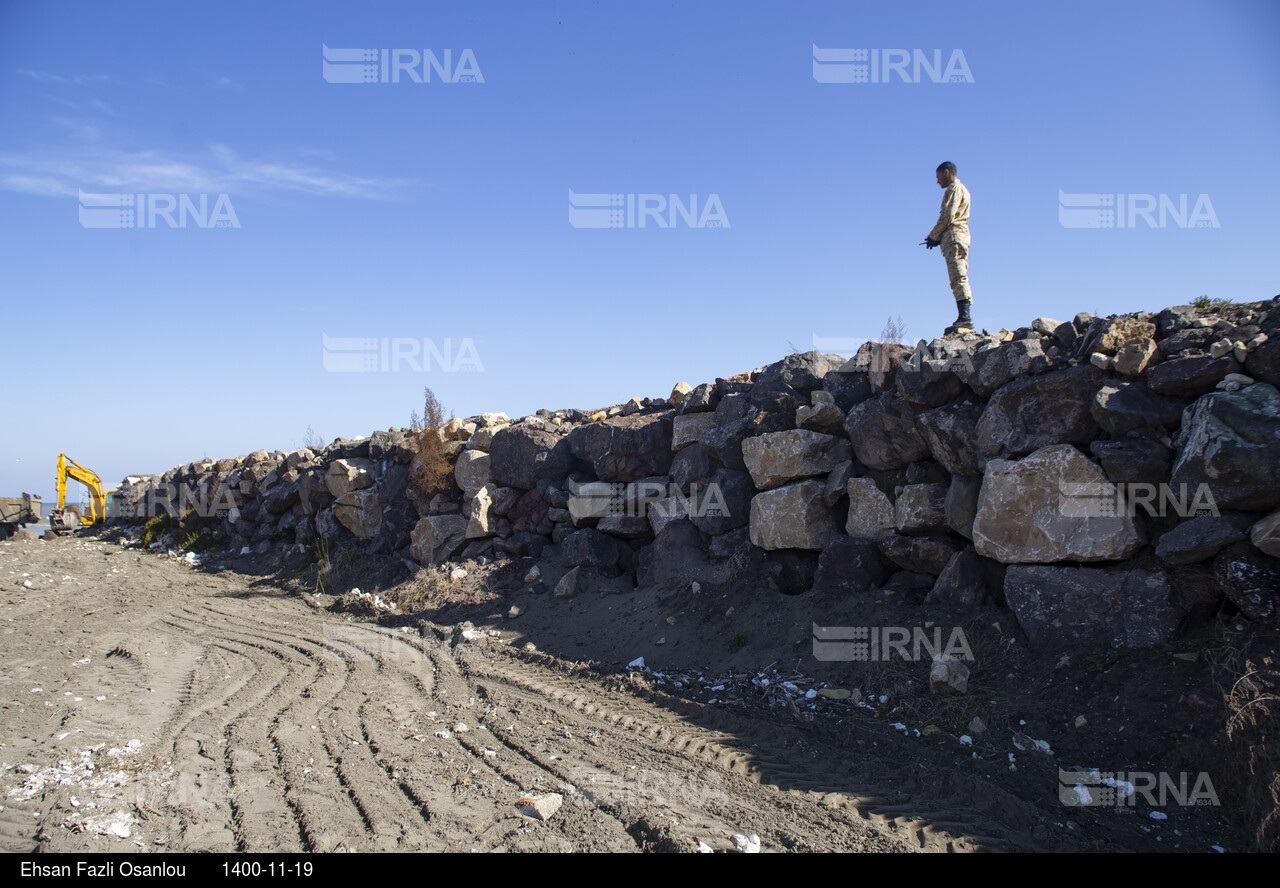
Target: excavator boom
69	468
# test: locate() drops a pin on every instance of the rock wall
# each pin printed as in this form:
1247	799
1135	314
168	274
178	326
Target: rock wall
1108	479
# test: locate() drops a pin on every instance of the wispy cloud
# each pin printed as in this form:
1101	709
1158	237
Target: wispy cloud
69	79
222	170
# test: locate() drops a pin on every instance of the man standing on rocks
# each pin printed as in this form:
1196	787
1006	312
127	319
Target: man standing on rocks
952	234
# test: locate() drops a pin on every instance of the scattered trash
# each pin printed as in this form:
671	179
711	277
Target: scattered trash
1026	744
1158	815
747	844
637	663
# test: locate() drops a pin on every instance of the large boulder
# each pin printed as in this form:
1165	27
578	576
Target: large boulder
1263	362
1054	505
968	580
482	519
360	512
775	458
471	471
951	435
1036	411
1108	335
724	503
346	475
997	367
590	548
884	433
1134	460
675	556
520	456
1250	579
921	508
688	428
802	372
436	537
1228	443
1064	607
871	512
626	448
920	555
1190	377
850	565
1123	407
1200	538
792	517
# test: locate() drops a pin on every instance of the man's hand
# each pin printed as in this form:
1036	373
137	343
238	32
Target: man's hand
930	243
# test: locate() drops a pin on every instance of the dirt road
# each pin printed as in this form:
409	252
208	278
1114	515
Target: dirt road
152	706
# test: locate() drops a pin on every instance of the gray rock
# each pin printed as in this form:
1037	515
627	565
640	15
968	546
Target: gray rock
850	566
471	471
701	400
999	366
675	556
626	448
961	504
688	428
792	517
1131	460
521	457
775	458
968	580
346	475
923	555
1123	407
436	537
870	510
921	508
951	435
1051	506
1266	534
724	504
1036	411
1199	539
590	548
1250	579
884	433
1264	362
360	512
1066	607
1228	443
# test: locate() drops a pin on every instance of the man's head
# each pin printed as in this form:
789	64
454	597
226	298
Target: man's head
946	174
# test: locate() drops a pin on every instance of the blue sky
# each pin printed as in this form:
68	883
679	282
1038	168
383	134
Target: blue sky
410	211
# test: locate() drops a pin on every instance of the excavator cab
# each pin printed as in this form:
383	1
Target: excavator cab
63	519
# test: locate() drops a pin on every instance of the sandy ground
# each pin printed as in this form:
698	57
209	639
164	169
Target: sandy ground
149	704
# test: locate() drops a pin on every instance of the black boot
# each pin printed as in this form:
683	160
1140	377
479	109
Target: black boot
963	323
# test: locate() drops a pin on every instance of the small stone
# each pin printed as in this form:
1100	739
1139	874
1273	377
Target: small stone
977	726
1101	361
541	807
948	676
1220	348
458	573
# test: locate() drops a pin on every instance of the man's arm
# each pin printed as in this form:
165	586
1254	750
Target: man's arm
950	200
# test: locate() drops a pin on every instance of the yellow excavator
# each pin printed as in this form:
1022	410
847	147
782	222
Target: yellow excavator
62	519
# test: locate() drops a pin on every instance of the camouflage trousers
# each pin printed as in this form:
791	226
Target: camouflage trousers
955	250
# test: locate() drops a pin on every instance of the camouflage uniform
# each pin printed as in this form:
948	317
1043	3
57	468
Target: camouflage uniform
952	231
